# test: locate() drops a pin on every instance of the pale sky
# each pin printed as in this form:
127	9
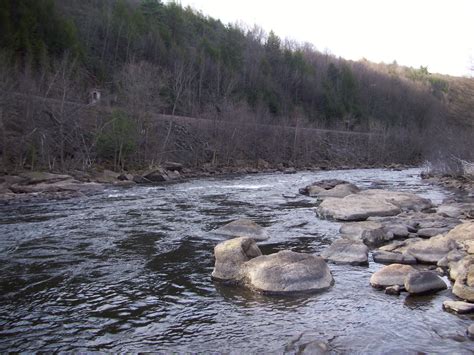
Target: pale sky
434	33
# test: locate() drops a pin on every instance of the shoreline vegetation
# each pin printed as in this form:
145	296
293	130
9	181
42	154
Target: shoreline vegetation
128	84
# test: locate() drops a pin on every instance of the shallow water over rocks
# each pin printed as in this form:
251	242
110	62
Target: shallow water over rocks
129	270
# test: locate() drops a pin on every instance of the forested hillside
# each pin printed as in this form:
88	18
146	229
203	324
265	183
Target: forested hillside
147	58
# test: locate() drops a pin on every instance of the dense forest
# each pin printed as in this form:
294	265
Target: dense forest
253	95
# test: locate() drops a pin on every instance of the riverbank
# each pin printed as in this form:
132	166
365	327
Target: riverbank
459	183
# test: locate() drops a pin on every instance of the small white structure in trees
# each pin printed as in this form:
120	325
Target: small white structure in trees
94	96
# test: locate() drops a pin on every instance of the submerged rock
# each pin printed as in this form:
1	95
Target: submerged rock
287	271
230	256
458	307
344	251
243	228
424	282
394	290
391	275
315	348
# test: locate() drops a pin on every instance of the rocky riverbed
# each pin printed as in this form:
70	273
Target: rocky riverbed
128	268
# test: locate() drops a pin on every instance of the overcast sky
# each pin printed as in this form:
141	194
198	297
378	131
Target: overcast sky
434	33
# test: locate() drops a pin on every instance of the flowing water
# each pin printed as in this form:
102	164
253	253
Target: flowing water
129	270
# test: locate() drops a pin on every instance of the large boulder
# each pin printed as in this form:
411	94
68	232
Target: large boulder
464	285
356	207
451	258
387	257
172	166
404	200
287	271
432	250
424	282
460	267
243	228
369	232
391	275
463	235
344	251
231	255
156	175
430	232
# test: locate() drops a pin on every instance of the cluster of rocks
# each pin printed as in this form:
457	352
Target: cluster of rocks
419	243
240	261
34	184
41	184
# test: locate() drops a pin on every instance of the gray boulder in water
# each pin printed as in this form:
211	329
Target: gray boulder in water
387	257
344	251
287	271
231	255
424	282
240	261
391	275
243	228
369	232
371	203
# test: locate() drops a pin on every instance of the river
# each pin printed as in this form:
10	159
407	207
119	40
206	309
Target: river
128	270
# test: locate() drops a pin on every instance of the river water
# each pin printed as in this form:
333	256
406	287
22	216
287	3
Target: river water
129	270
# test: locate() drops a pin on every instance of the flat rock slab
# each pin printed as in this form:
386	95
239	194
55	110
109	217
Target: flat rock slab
356	207
391	275
387	257
371	203
458	307
243	228
424	282
344	251
36	177
287	272
431	251
404	200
